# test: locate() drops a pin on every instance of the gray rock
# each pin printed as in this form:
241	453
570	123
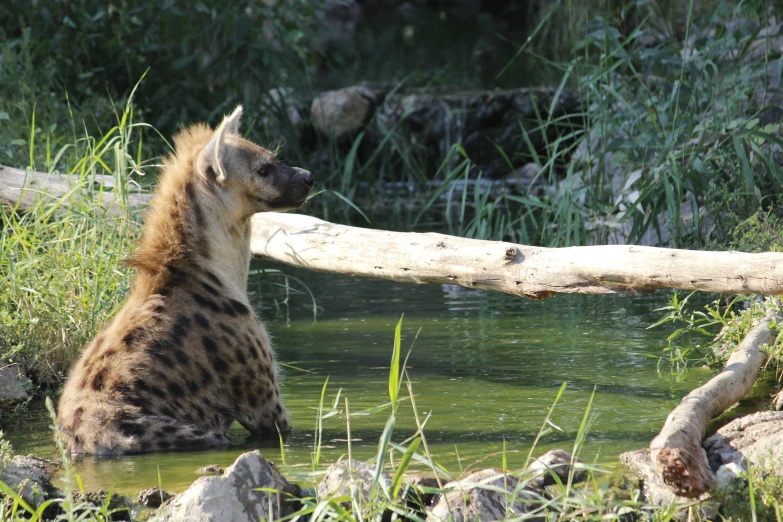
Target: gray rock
485	495
756	438
211	469
412	493
342	477
593	155
282	110
152	497
555	463
233	497
31	478
479	120
430	121
118	506
343	113
12	380
726	474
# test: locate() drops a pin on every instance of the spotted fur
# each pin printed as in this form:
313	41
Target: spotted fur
186	356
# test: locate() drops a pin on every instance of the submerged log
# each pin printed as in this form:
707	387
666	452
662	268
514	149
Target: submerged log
677	454
528	271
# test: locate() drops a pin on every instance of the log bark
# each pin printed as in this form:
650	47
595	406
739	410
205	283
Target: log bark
23	189
528	271
677	453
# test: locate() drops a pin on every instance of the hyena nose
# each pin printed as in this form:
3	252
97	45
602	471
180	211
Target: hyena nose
304	176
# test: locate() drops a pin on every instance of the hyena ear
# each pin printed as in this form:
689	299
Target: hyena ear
212	157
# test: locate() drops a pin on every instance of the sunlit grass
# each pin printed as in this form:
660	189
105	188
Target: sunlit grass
61	274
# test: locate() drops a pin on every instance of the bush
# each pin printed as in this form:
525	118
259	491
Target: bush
203	57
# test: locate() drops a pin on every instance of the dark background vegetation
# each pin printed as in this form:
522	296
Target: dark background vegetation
204	57
669	91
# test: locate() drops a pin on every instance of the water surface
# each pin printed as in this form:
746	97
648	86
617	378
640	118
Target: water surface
485	368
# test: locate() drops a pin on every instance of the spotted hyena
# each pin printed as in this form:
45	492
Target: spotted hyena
185	356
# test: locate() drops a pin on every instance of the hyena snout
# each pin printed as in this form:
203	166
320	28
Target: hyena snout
303	176
298	183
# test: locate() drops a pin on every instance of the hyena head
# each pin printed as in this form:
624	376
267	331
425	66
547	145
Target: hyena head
250	175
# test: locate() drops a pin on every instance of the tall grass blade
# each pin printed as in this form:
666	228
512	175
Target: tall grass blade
18	500
394	370
319	427
752	494
383	445
403	467
352	205
747	173
545	423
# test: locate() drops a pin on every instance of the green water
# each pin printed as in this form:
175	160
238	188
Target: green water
486	368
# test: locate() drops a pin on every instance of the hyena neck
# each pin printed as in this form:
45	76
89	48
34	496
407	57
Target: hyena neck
226	235
190	230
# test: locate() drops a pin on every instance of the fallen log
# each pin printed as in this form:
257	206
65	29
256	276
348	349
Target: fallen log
528	271
677	454
22	188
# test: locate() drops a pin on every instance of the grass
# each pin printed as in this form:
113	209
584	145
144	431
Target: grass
709	334
672	150
61	275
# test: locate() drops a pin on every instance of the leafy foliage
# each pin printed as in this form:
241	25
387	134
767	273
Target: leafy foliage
205	57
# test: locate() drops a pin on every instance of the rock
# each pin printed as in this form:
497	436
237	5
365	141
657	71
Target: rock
598	155
658	493
282	110
211	469
756	438
343	113
528	172
233	497
481	121
555	463
430	121
31	477
12	390
726	474
413	494
471	500
119	507
341	476
152	497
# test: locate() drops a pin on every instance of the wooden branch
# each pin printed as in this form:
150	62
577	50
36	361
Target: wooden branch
677	454
23	188
527	271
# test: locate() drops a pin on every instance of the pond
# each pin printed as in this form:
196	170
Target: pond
485	368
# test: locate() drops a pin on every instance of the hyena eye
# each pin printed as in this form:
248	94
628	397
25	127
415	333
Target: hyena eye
264	170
